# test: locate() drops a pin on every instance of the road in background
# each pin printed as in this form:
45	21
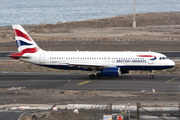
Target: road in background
11	114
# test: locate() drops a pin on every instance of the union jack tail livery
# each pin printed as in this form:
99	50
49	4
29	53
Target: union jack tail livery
25	43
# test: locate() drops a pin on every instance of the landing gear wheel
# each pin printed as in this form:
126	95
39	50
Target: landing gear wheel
92	76
98	75
152	76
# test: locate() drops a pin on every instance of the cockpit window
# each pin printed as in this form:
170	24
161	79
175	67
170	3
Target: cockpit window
163	58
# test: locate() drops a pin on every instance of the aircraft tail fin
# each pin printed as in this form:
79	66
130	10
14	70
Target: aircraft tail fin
25	43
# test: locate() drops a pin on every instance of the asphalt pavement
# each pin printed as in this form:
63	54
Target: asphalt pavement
10	114
161	82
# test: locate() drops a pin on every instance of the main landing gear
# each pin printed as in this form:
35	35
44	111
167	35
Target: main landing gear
92	76
98	75
151	74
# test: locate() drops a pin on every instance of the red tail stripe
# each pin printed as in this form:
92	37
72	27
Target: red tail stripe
28	50
21	34
145	55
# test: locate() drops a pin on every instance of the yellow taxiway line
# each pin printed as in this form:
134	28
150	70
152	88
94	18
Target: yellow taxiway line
172	79
83	82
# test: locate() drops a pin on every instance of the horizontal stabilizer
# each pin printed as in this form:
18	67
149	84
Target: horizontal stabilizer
17	56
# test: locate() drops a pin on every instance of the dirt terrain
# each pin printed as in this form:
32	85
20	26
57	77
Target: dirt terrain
94	34
155	31
56	96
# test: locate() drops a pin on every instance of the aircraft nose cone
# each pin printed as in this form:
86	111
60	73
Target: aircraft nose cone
172	63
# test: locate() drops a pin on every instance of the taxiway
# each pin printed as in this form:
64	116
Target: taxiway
161	82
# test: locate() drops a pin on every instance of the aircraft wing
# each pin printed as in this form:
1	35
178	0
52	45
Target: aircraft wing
91	65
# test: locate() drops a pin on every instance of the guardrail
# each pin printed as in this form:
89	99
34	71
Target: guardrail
88	106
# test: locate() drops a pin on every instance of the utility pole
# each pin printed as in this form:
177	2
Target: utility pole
129	110
138	106
134	15
179	111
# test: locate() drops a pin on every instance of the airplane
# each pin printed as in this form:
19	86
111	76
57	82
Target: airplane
100	63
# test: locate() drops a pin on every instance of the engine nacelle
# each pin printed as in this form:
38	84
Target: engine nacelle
110	72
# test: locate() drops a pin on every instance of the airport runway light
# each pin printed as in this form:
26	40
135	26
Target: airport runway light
134	15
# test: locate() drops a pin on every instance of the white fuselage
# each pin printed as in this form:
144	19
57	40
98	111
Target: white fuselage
100	63
93	60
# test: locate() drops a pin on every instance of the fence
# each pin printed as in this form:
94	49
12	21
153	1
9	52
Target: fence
95	112
157	108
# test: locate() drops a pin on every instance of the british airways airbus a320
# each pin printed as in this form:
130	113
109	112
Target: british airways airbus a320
100	63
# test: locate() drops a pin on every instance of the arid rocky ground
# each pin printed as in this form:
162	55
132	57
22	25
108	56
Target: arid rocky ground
56	96
155	32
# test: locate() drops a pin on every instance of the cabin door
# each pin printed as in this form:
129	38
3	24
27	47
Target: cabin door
42	58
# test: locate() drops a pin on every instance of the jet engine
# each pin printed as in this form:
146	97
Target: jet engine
110	72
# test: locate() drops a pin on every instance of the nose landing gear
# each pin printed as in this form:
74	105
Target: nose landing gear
151	74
